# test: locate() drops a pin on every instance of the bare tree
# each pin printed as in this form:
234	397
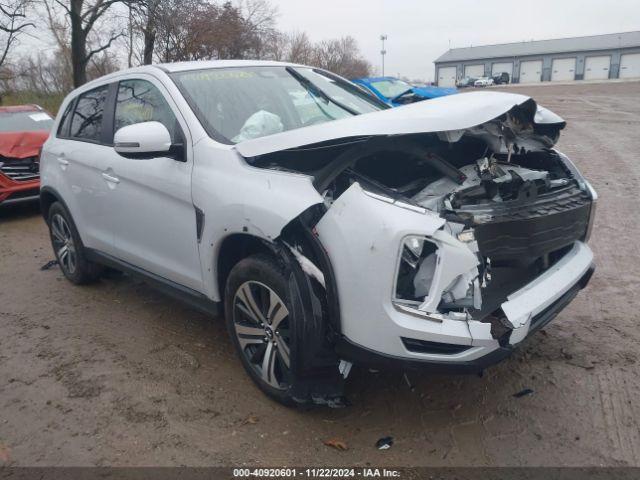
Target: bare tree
341	56
13	22
300	50
83	16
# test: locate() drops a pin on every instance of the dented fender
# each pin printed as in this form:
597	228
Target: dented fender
245	200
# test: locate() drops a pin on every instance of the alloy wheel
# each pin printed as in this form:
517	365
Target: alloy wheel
262	327
63	244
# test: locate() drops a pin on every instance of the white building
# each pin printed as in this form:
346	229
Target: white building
597	57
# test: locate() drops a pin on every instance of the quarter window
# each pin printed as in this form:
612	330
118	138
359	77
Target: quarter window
87	118
63	129
140	101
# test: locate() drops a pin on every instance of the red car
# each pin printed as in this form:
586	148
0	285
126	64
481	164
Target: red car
23	130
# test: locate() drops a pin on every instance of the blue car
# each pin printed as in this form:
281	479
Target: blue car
396	92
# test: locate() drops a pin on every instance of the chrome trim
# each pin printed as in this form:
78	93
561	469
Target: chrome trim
418	313
15	201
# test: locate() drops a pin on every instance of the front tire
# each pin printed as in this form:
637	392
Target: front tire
68	248
260	320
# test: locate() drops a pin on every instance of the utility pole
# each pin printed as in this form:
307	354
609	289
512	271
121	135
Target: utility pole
383	52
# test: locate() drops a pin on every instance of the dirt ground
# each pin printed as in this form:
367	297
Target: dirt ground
117	374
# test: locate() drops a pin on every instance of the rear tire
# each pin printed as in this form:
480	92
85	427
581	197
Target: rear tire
260	320
68	248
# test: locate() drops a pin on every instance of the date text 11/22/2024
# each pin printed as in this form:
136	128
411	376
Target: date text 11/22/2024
316	472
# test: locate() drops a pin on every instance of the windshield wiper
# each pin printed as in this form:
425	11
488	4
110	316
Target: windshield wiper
314	89
410	90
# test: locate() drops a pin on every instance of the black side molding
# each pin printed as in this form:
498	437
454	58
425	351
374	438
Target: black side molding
185	294
199	223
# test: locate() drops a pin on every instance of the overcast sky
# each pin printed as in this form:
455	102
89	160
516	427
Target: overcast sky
419	31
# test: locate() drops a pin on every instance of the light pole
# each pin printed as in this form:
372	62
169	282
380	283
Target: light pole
383	52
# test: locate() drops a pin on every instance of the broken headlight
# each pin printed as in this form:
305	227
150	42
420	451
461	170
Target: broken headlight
416	269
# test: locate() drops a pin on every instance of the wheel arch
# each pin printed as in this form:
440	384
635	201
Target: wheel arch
234	248
48	196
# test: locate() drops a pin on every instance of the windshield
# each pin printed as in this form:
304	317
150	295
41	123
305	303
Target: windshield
238	104
390	87
25	121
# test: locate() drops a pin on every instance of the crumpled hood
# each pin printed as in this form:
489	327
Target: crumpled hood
22	144
451	113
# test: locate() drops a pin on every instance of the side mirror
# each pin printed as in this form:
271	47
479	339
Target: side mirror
145	140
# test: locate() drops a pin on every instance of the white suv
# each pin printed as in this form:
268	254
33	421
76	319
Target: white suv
328	228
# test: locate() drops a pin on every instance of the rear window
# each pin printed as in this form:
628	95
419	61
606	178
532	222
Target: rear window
86	123
25	121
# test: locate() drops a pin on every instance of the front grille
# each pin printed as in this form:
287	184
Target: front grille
530	230
20	169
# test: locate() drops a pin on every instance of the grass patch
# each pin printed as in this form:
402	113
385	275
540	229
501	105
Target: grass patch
50	102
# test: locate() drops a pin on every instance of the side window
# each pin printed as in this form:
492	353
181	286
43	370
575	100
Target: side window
140	101
63	128
86	123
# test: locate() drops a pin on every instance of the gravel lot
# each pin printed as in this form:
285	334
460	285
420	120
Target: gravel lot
117	374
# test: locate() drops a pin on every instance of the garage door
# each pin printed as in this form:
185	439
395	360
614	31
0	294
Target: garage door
630	65
597	68
498	68
447	77
563	70
531	71
474	71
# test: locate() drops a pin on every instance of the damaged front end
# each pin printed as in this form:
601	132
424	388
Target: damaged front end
448	246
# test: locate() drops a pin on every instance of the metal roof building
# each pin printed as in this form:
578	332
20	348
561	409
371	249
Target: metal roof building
596	57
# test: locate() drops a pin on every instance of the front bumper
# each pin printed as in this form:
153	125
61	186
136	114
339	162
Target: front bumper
363	250
528	310
364	356
12	191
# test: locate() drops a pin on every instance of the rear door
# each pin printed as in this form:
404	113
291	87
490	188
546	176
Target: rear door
154	216
79	156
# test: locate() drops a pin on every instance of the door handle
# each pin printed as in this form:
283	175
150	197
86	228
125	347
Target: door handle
110	178
63	162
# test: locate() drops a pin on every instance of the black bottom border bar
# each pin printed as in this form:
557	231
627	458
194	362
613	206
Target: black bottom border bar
208	473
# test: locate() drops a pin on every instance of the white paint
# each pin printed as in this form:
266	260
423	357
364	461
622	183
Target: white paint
368	316
531	71
498	68
443	114
563	69
447	77
144	137
597	68
474	71
534	297
630	65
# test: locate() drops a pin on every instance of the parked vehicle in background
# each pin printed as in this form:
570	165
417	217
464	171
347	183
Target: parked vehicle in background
23	130
466	82
501	78
396	92
328	227
483	82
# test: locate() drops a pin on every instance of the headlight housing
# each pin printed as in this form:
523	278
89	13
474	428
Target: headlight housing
416	269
